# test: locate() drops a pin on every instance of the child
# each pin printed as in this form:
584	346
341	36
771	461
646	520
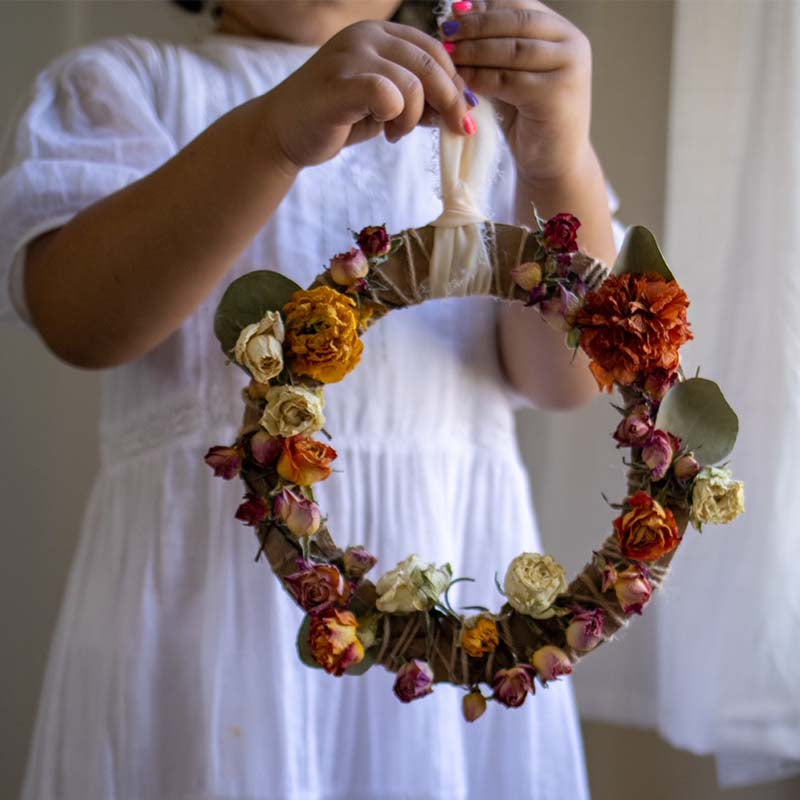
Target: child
143	177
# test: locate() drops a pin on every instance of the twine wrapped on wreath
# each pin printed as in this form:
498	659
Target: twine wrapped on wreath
464	253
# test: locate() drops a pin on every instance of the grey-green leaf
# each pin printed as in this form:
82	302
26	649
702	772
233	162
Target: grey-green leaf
303	647
696	411
640	253
246	301
364	664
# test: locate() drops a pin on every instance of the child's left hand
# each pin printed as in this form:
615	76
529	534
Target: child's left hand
537	68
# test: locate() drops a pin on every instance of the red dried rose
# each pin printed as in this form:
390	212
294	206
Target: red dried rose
560	233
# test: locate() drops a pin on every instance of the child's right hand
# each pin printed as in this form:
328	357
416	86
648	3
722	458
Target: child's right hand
369	77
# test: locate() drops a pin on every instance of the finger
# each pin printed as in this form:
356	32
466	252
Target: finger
514	22
413	92
366	94
507	85
532	55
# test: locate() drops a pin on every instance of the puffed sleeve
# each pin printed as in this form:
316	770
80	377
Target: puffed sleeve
88	126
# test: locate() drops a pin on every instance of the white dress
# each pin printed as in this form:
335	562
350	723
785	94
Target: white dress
173	673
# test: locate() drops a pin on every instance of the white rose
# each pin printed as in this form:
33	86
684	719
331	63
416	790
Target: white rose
291	410
411	586
533	582
716	497
259	348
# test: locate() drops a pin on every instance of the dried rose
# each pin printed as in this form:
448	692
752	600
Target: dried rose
334	642
305	461
374	241
635	427
561	233
550	662
633	589
411	586
264	448
300	515
685	467
225	461
414	680
585	631
716	497
607	571
560	310
527	276
358	562
480	636
316	587
658	453
533	582
511	686
347	268
259	347
293	410
253	510
659	382
474	706
648	531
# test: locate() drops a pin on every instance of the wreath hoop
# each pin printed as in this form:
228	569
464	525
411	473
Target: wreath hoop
631	323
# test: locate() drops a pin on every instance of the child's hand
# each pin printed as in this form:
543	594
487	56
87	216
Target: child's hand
369	77
537	67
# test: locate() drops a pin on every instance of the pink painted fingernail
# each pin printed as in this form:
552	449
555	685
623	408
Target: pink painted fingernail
450	47
469	125
462	6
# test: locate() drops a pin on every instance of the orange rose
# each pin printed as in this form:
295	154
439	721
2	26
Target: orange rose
632	325
648	531
480	638
304	460
334	642
322	334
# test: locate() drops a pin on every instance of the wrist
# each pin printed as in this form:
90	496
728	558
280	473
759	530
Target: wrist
264	141
581	167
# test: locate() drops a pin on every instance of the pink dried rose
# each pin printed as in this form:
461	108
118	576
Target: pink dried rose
686	467
348	268
659	382
585	631
512	686
414	680
550	662
474	706
560	233
633	589
374	241
560	310
358	561
300	515
316	587
609	575
635	427
264	448
253	510
225	461
658	453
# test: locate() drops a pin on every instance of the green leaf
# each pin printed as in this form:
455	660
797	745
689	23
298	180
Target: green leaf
640	253
303	647
246	301
364	664
696	411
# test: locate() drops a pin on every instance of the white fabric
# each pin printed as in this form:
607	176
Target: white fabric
173	673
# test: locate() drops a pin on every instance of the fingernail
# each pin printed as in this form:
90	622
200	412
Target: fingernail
462	6
450	28
469	125
450	47
470	97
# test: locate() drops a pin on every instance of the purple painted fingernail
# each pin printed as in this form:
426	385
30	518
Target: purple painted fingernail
470	97
451	27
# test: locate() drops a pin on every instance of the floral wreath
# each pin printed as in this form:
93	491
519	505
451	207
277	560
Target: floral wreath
631	323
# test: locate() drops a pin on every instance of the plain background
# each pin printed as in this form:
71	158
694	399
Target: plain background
49	410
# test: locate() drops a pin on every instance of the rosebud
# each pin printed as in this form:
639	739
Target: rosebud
374	241
512	686
550	662
633	589
537	295
610	576
264	448
657	454
659	382
414	680
635	427
686	467
560	310
474	706
527	276
225	461
347	268
253	510
358	561
586	629
300	515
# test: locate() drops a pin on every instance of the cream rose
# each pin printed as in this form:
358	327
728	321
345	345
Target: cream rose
259	348
532	584
411	586
716	497
292	410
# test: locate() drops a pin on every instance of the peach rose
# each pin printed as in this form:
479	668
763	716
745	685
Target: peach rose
334	642
480	636
648	531
305	461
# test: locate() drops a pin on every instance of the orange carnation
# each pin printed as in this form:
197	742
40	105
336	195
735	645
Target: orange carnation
480	638
632	325
648	531
322	334
304	460
334	641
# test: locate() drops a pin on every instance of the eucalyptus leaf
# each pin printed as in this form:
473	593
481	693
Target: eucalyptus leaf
696	411
364	664
640	253
246	301
303	647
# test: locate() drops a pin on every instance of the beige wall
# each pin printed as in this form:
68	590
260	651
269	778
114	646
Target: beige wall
49	411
